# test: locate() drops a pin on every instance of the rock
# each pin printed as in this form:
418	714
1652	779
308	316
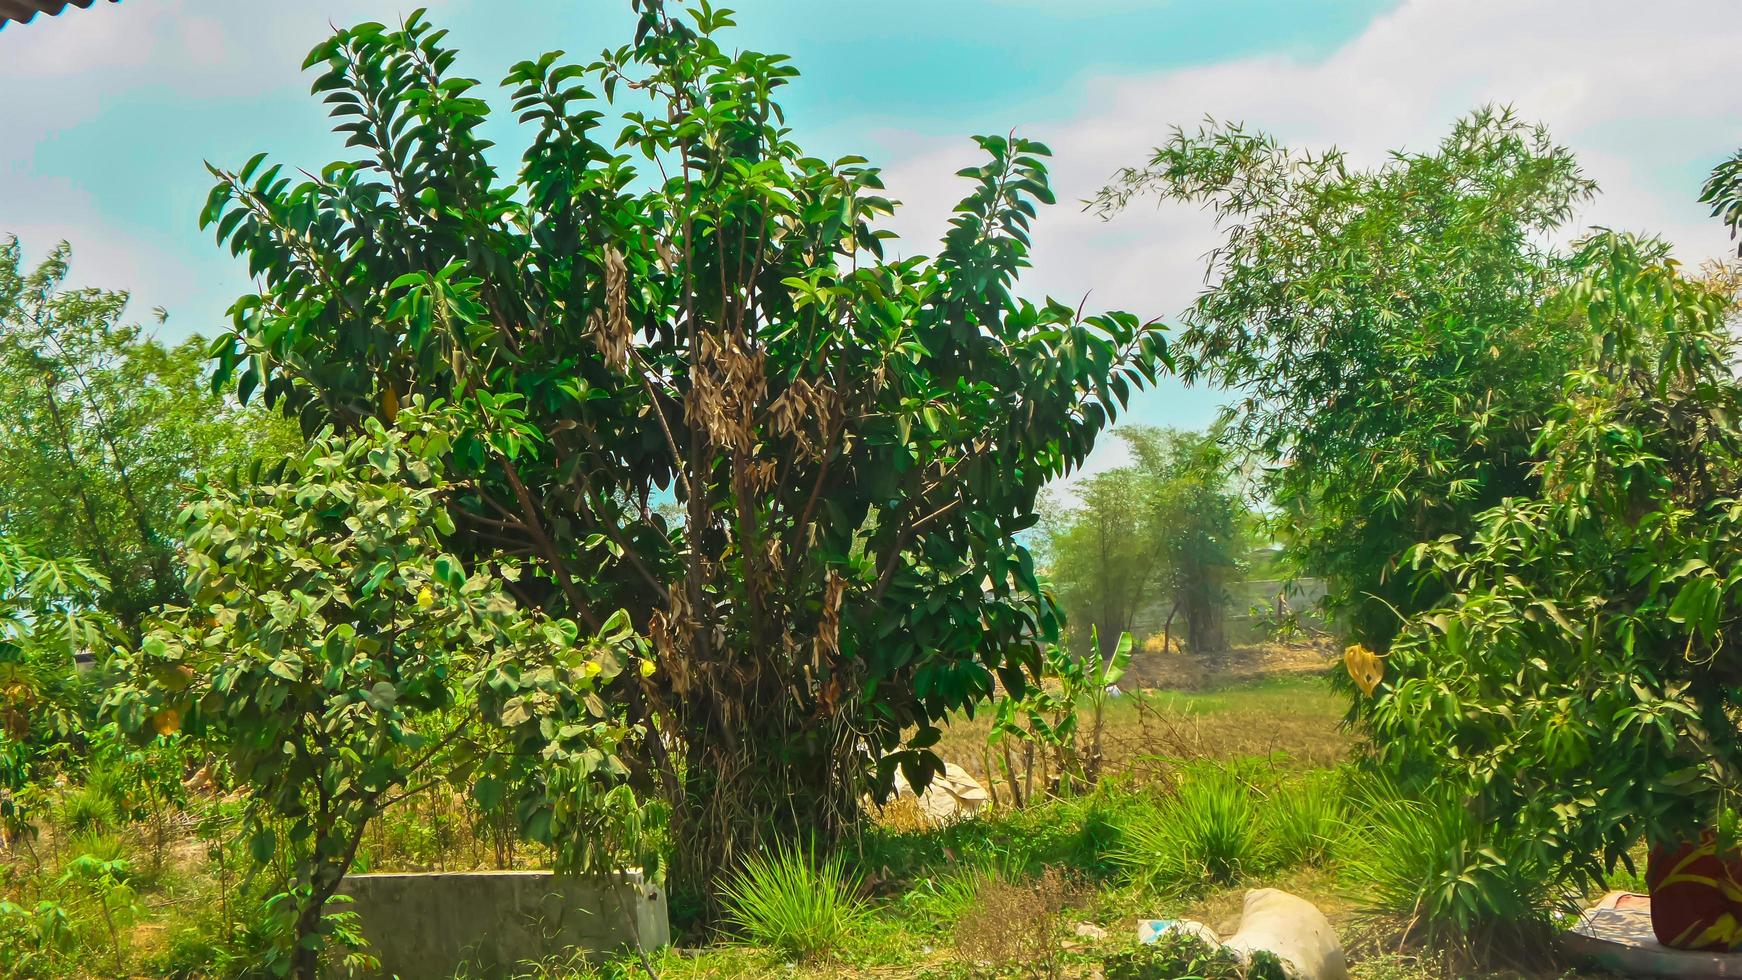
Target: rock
1295	930
1090	931
953	795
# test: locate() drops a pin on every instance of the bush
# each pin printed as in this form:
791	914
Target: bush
1181	956
1466	888
1305	820
793	905
1210	832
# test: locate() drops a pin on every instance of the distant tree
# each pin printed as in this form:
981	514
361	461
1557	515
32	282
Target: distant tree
1102	553
1203	525
1389	331
106	429
1171	527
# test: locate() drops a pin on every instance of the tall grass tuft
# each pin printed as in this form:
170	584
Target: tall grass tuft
86	810
1306	820
1474	892
1210	832
794	905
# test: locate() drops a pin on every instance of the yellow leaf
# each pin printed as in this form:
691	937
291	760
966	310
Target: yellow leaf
167	721
1365	667
390	404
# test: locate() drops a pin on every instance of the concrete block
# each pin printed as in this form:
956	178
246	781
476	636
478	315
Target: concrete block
425	926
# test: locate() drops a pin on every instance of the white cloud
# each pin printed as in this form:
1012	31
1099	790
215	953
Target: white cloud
1644	98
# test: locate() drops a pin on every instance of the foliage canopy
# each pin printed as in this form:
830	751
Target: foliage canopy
106	432
693	309
1390	330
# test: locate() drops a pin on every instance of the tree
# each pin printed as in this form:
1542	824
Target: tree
44	618
344	662
106	431
1202	525
1581	679
1170	527
853	442
1103	553
1390	333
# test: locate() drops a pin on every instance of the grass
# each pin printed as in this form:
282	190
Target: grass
1210	832
1212	791
1294	721
1307	819
795	905
1437	873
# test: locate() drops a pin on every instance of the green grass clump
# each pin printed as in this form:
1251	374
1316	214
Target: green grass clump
1467	889
85	810
794	905
1210	832
1306	819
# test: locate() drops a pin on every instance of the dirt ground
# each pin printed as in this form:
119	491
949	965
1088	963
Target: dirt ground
1186	671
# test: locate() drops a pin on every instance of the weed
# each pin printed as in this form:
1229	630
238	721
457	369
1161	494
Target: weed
1181	956
794	905
1016	925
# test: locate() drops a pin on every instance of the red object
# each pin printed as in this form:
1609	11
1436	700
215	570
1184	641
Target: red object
1696	896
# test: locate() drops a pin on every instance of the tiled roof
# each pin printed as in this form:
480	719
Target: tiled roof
22	10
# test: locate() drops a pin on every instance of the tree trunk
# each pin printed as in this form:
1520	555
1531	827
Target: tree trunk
1205	623
754	780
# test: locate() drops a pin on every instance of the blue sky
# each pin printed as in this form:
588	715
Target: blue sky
109	113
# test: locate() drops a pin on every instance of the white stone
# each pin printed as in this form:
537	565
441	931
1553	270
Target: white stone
1295	930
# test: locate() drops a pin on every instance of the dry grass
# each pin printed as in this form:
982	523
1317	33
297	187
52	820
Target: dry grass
1017	926
1294	718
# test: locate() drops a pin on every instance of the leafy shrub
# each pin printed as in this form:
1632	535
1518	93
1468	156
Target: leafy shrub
1181	956
794	905
1210	832
34	941
1305	820
1460	884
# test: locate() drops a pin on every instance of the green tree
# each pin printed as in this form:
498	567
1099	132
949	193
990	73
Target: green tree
1170	528
697	309
1388	332
343	662
1202	525
106	431
1581	680
1103	554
